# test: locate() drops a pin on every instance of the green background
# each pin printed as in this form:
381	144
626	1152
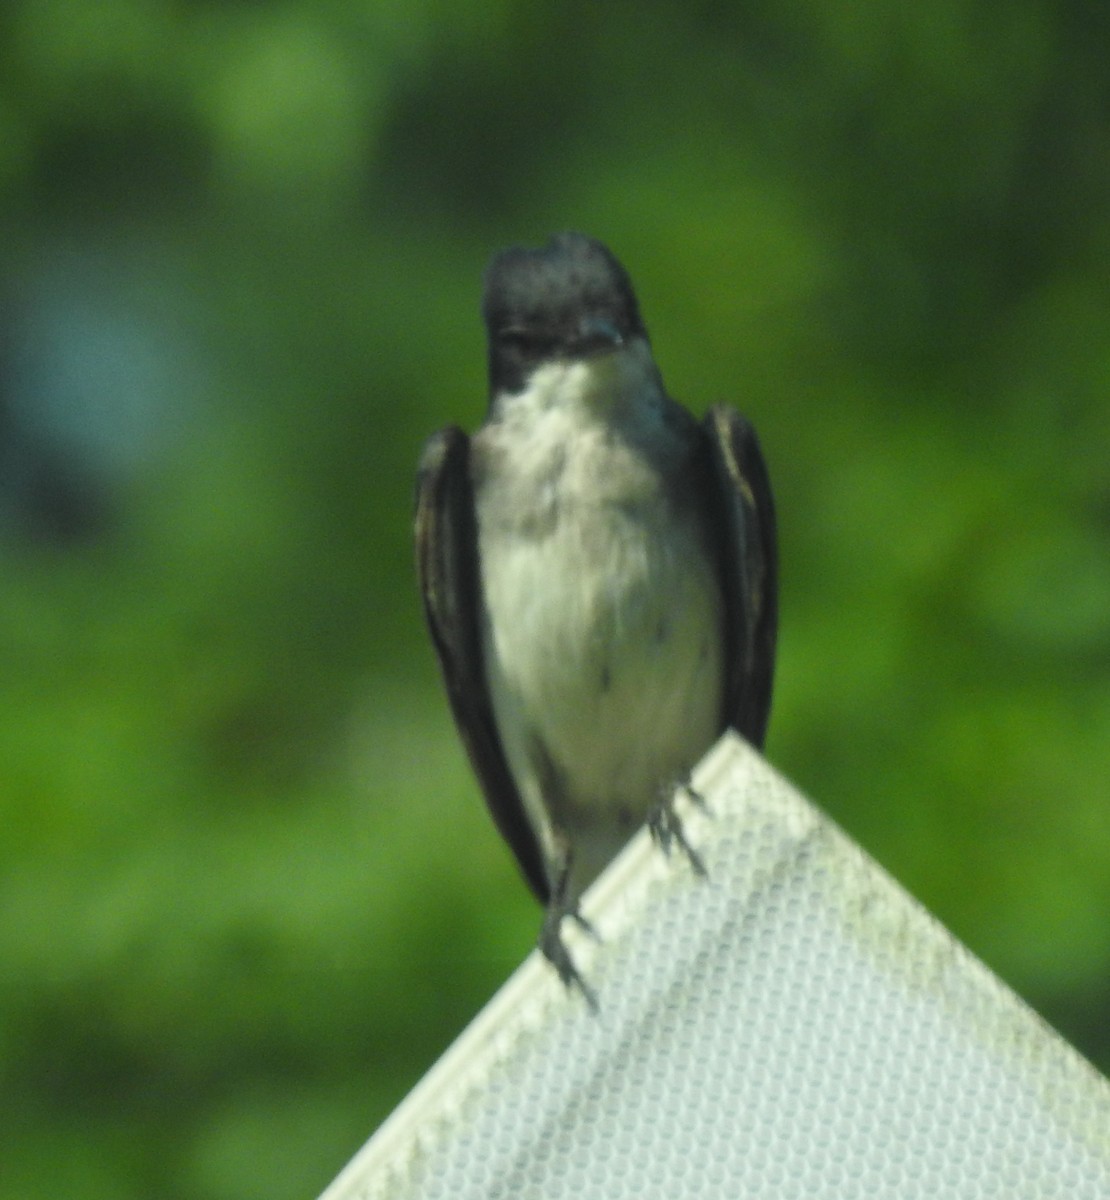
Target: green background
248	891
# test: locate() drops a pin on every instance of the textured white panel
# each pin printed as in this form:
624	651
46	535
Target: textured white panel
792	1026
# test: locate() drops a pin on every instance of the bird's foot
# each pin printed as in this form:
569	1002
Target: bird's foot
555	951
666	825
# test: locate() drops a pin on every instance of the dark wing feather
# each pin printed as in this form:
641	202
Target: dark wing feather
447	566
742	519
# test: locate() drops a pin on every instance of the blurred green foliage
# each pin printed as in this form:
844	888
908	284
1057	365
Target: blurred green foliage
247	888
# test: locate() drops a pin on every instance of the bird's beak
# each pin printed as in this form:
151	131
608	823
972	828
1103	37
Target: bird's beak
596	335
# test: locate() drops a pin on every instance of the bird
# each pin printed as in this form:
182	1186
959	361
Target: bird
599	575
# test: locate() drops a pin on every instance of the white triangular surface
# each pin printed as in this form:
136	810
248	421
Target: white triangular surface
793	1025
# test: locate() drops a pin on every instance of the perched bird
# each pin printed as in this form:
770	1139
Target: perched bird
598	571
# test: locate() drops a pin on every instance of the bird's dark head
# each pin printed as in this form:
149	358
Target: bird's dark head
570	299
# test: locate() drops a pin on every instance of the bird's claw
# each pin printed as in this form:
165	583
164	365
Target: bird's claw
666	828
556	953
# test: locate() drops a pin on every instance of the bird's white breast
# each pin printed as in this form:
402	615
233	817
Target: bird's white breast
602	632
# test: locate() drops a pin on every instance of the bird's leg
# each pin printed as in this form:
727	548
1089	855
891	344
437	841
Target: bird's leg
666	825
551	936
